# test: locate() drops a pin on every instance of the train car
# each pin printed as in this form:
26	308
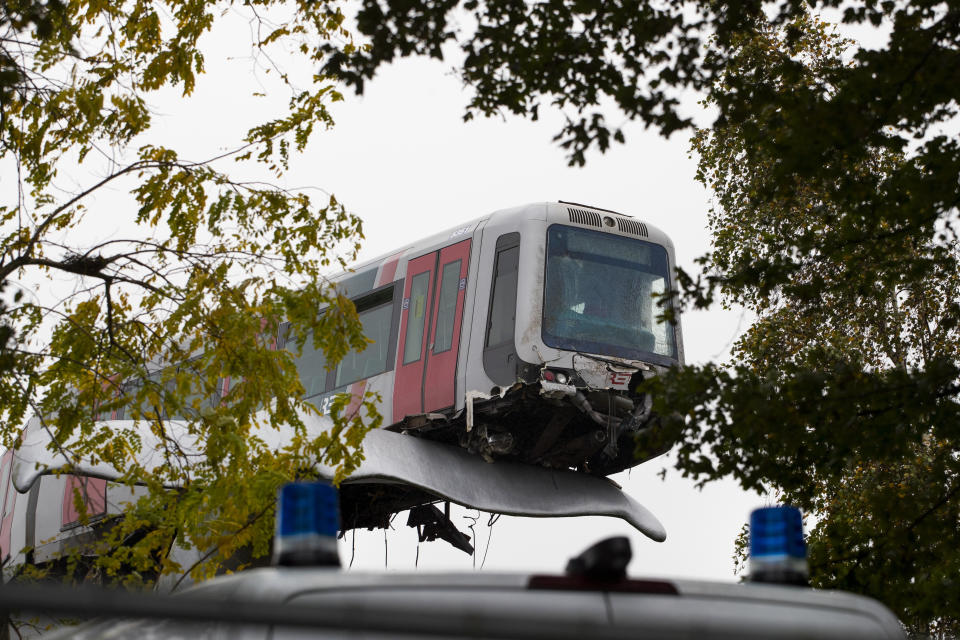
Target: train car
517	338
521	335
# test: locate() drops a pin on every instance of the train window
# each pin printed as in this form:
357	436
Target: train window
599	294
499	353
503	300
376	313
416	317
358	283
446	314
312	367
311	364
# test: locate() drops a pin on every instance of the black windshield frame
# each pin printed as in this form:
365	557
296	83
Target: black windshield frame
658	266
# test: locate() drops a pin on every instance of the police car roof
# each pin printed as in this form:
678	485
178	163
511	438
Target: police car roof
471	605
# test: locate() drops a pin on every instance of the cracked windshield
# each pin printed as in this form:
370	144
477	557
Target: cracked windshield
599	294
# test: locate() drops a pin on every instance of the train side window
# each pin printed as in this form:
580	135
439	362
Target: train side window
311	364
312	368
416	318
499	352
446	314
376	314
503	298
358	284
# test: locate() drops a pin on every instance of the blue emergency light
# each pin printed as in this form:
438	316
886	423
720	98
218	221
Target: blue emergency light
308	520
778	552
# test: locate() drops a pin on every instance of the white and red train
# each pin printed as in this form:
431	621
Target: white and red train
519	336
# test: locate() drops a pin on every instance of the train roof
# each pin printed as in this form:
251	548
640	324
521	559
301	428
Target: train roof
557	212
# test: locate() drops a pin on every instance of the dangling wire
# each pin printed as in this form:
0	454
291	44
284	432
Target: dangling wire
473	523
353	546
384	547
416	560
492	521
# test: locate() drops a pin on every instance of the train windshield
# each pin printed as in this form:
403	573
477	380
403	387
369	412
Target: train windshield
598	295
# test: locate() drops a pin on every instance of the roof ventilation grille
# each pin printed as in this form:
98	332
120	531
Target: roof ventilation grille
632	226
581	216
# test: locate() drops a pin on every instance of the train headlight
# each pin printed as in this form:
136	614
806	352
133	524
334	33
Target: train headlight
555	376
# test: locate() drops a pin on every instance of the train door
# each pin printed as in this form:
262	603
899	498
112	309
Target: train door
440	377
430	320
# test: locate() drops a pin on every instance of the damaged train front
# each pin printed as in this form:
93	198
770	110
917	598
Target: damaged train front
589	329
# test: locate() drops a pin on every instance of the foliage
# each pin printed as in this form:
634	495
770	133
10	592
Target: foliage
842	396
153	320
